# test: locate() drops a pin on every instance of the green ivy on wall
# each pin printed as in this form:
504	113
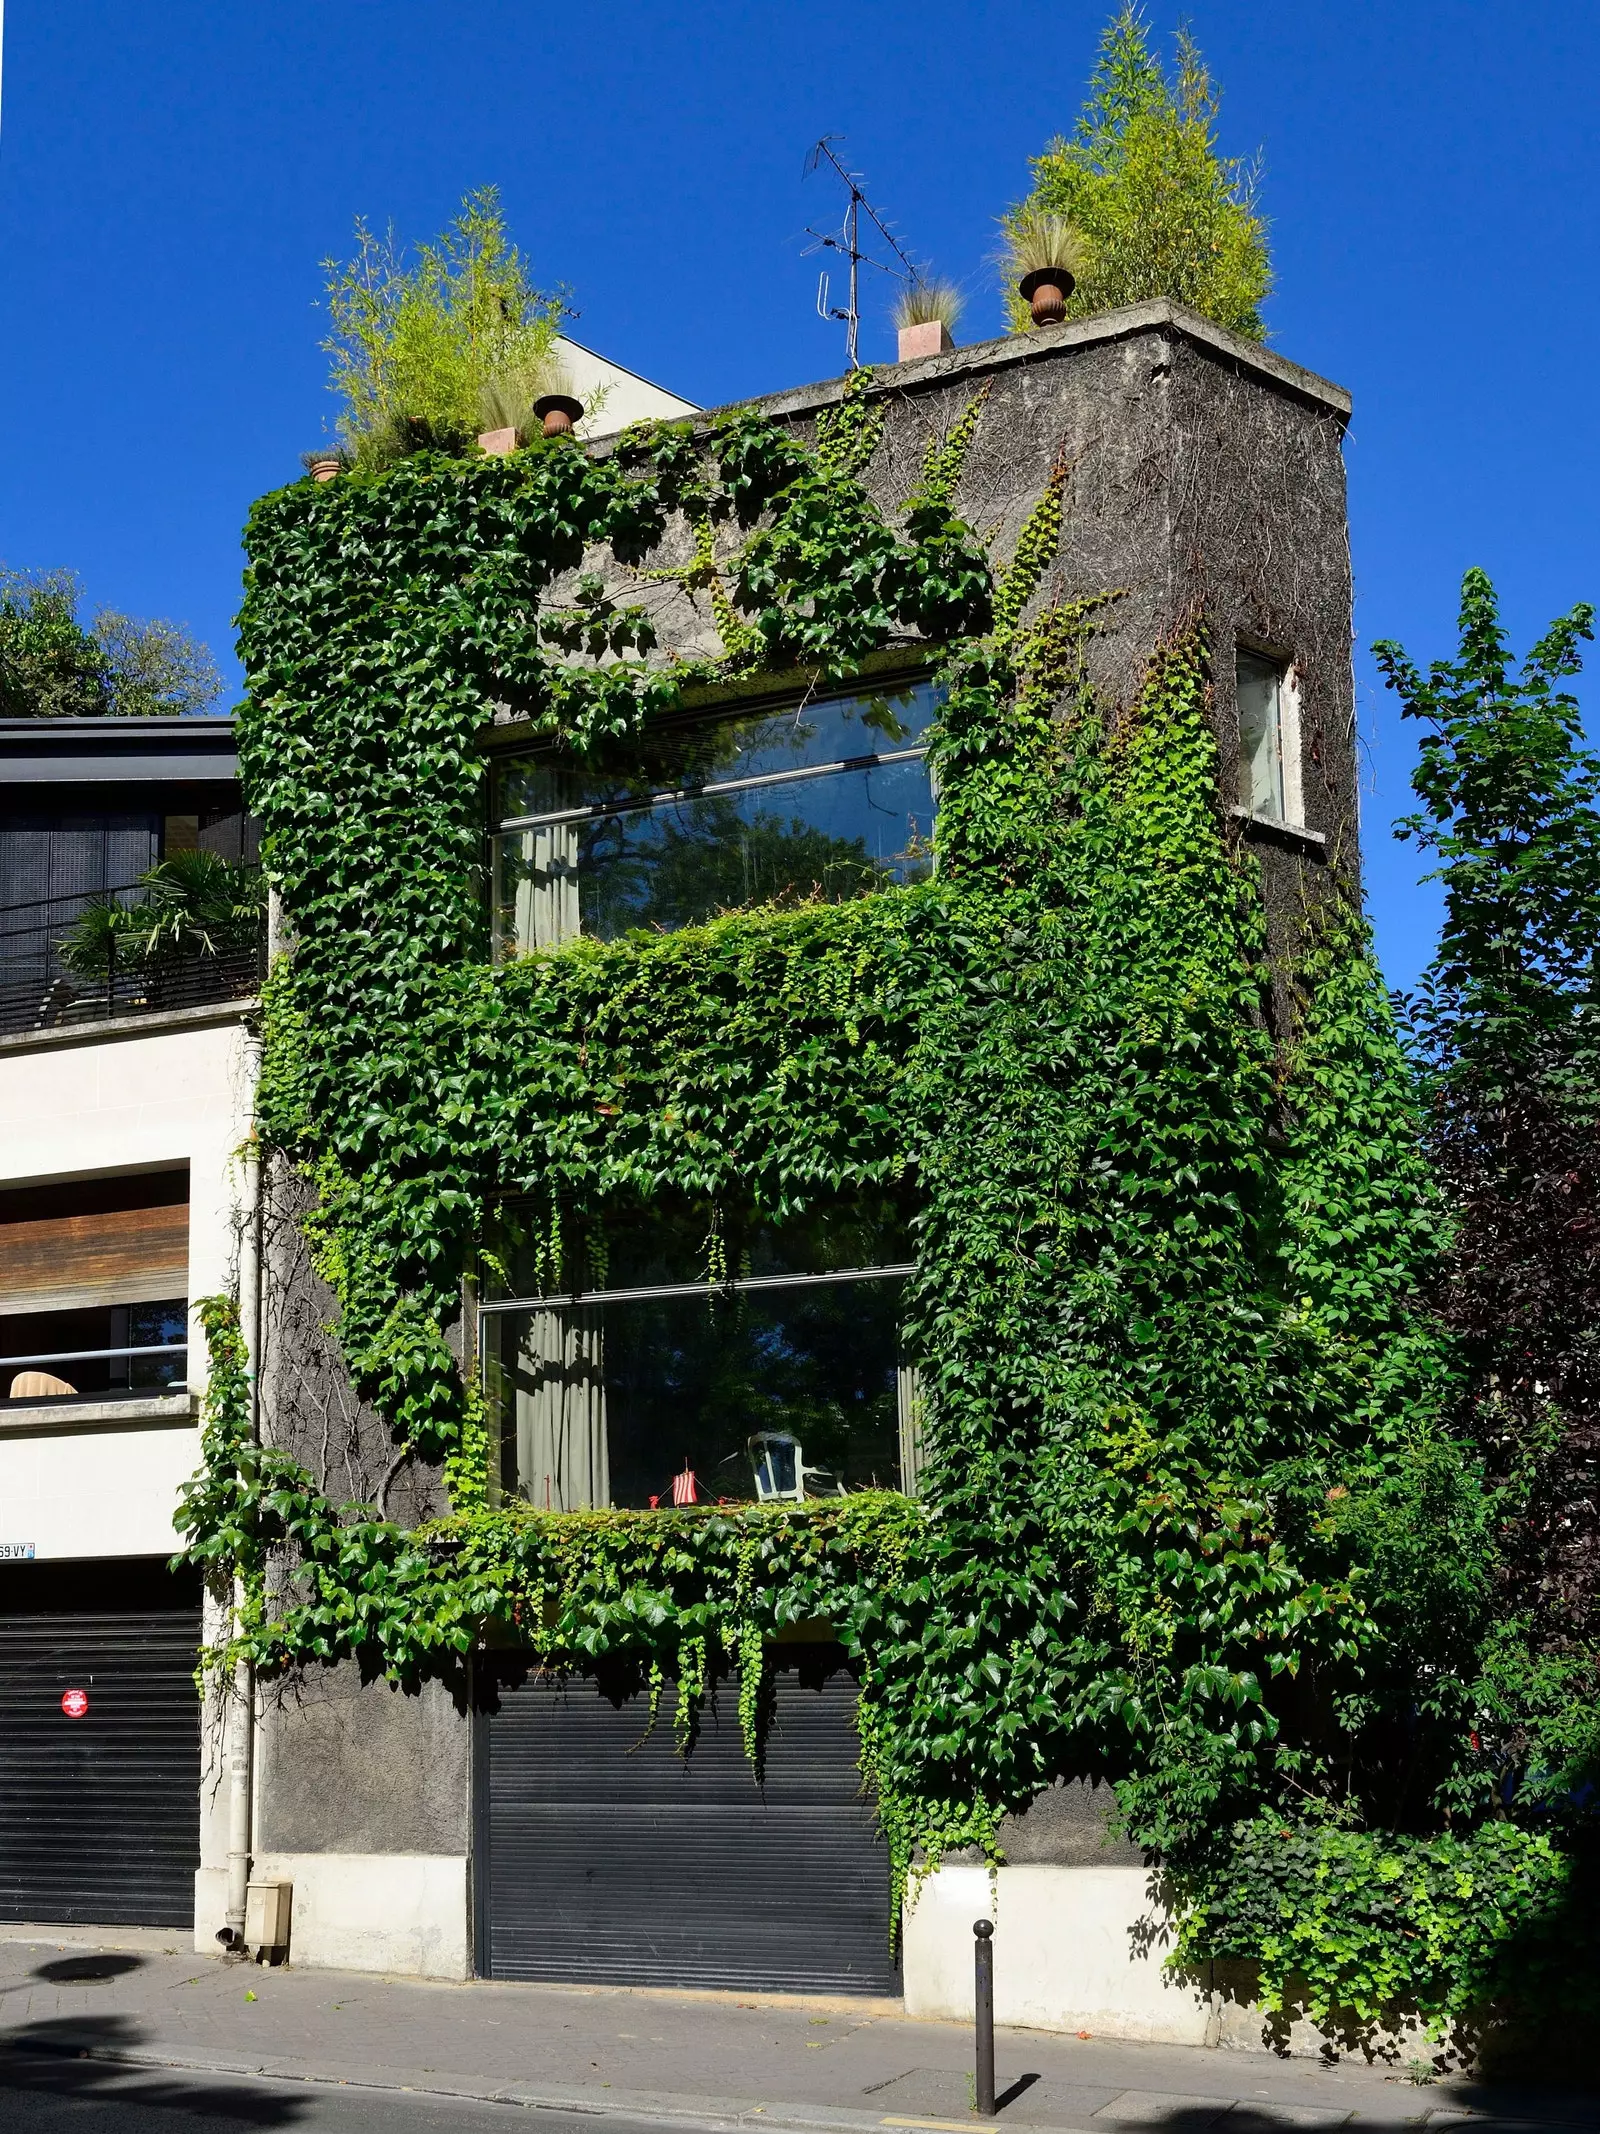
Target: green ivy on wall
1166	1305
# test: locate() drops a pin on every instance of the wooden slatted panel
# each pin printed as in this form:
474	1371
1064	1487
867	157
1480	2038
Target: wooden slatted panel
612	1861
74	1262
99	1816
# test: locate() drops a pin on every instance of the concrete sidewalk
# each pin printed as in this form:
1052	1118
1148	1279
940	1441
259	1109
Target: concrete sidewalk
718	2059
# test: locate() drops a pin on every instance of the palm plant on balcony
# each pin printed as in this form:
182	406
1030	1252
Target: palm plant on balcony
190	905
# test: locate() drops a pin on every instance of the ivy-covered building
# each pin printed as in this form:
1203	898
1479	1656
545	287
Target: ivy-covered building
790	1178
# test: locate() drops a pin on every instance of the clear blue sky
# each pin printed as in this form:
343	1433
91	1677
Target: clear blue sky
171	174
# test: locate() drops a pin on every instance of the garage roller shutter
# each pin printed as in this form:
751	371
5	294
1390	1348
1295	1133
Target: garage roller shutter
99	1815
606	1859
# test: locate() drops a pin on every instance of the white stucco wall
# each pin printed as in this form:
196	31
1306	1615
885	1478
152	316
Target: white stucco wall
132	1103
397	1912
128	1102
1066	1954
622	395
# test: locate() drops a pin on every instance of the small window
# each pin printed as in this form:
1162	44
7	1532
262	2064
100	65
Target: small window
1268	737
828	799
780	1381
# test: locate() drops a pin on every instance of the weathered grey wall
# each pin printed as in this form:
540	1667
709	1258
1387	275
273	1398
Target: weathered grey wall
1205	480
1067	1825
347	1766
308	1405
344	1766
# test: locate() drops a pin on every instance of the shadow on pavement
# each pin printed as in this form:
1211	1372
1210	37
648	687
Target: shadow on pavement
62	2058
84	1970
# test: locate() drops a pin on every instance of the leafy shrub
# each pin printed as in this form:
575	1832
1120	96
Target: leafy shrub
1361	1926
190	904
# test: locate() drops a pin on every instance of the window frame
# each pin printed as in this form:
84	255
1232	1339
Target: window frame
1286	729
909	1393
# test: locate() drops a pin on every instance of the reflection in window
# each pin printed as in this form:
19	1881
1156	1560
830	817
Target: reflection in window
1262	694
780	1386
828	800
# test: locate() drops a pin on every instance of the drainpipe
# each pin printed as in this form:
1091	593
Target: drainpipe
242	1696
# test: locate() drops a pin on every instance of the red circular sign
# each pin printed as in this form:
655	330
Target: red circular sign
75	1702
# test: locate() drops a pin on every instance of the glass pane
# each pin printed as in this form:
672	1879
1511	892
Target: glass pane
834	730
750	1397
650	1246
1260	736
78	1342
833	837
153	1325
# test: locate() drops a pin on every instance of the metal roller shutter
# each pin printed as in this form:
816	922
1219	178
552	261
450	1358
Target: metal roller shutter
605	1858
99	1815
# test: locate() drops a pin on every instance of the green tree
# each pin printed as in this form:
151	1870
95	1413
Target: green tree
50	666
156	669
1161	212
1504	1030
53	665
418	336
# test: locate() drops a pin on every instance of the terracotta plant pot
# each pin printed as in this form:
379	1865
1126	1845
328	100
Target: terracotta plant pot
558	412
931	338
324	470
1045	291
497	443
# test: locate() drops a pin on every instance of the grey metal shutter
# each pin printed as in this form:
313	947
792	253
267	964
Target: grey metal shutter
605	1858
99	1816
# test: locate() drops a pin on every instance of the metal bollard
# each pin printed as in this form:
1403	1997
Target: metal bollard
983	1982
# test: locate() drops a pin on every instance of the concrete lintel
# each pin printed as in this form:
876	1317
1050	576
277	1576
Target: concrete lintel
113	1028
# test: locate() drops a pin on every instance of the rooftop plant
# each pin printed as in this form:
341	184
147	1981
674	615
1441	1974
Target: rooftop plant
925	303
1160	211
418	336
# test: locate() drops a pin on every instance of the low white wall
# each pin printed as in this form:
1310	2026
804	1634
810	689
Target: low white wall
1066	1954
368	1911
95	1493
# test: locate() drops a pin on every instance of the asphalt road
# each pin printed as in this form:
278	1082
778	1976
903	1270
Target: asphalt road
48	2094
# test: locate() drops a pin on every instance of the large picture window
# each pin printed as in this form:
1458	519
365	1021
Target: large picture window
825	799
781	1381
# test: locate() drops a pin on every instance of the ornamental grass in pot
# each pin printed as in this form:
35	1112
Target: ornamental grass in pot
925	316
525	401
1047	254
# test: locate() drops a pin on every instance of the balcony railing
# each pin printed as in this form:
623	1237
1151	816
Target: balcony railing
38	992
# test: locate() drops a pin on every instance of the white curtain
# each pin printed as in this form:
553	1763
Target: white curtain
562	1460
908	1389
538	895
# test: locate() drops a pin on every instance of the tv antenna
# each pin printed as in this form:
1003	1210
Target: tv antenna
848	241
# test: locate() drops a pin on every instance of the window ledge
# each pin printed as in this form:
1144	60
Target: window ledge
1291	833
54	1418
